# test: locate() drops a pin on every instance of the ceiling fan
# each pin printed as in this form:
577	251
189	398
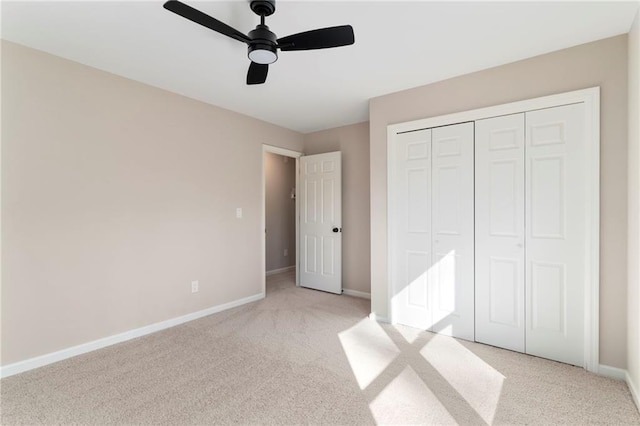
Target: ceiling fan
263	43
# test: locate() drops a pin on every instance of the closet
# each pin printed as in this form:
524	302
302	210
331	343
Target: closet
490	227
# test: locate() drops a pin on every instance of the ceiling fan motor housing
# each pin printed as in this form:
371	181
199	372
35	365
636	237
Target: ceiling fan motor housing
263	7
262	39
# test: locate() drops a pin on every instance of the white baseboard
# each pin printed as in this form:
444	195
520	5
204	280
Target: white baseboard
634	388
379	318
356	293
281	270
40	361
613	372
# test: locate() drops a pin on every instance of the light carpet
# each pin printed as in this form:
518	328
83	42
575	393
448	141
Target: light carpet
302	356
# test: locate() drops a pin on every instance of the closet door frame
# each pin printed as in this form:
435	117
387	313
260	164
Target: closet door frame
591	99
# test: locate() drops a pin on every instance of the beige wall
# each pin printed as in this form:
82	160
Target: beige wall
602	63
633	342
115	196
353	141
280	174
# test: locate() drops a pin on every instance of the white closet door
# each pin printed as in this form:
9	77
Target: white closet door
452	199
499	250
556	201
411	239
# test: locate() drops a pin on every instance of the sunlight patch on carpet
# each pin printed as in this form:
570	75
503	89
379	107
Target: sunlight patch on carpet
410	334
368	349
407	400
476	381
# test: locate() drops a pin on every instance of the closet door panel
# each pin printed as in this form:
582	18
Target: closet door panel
556	226
499	232
411	240
452	224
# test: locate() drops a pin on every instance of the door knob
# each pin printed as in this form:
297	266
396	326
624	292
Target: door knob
337	229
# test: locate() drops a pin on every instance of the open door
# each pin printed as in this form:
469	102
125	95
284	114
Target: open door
321	222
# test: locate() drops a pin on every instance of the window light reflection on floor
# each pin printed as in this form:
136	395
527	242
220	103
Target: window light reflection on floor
408	400
472	378
412	376
368	349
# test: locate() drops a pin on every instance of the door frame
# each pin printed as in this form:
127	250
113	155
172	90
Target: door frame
263	223
591	99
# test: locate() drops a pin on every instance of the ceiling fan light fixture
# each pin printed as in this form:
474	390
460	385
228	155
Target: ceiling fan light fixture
263	43
263	54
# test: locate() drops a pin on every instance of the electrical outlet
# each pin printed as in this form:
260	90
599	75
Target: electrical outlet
194	286
286	252
239	212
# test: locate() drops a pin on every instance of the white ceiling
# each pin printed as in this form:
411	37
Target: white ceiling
399	45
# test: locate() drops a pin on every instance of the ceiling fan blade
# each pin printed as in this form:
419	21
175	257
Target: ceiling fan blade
257	73
318	39
205	20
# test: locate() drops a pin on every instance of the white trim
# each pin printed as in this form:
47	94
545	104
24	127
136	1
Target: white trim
634	389
356	293
281	270
391	135
40	361
592	295
297	222
263	223
591	99
578	96
378	318
281	151
613	372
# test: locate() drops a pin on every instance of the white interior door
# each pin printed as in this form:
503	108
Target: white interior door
321	222
411	239
452	286
556	232
500	249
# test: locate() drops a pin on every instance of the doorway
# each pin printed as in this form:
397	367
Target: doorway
280	224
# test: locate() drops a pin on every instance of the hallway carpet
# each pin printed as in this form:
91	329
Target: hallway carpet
301	356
